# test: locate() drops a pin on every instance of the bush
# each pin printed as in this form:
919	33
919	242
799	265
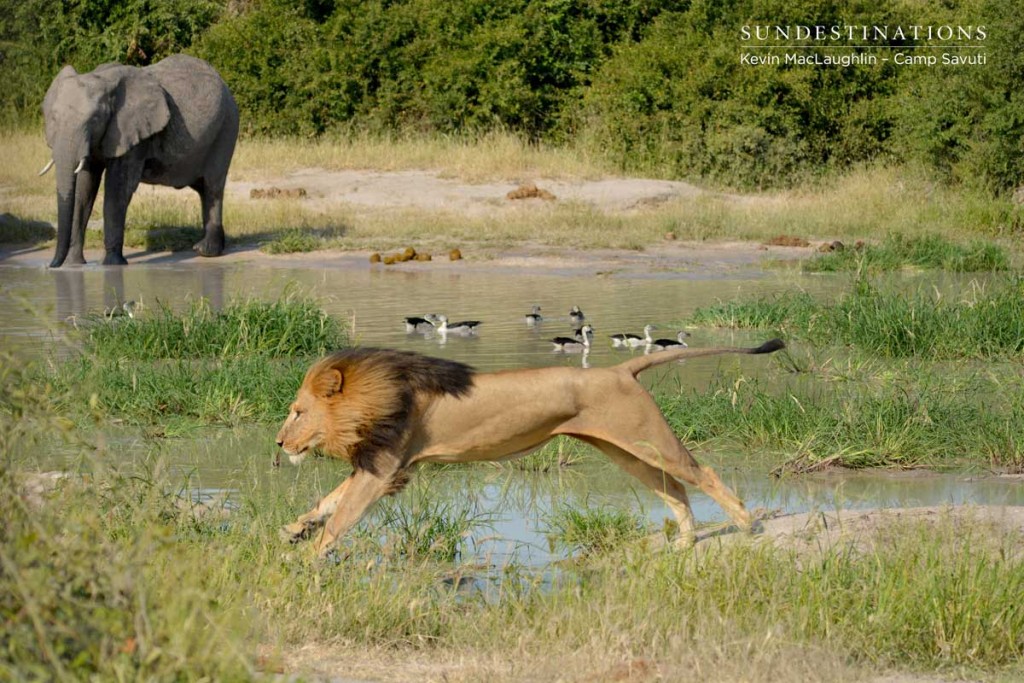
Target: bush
657	87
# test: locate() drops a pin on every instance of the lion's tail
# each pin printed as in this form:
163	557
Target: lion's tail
641	363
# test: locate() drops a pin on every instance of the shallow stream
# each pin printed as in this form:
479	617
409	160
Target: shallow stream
36	302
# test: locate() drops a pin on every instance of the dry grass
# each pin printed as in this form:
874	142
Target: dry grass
865	203
495	156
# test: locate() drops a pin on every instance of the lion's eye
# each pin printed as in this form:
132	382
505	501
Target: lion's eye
298	414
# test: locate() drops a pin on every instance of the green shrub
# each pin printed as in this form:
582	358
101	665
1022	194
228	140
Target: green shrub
658	88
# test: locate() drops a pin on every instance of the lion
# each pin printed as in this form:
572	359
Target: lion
387	411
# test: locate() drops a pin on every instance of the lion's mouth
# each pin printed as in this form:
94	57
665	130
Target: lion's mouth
298	456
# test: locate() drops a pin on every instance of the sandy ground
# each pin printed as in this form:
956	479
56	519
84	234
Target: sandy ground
432	191
379	192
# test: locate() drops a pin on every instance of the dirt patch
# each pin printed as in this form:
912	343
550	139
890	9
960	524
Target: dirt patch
866	530
429	190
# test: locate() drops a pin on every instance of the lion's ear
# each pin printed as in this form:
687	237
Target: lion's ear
329	382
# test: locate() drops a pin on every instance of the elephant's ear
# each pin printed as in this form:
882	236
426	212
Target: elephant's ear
51	100
139	111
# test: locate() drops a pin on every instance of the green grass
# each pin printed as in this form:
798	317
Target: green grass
291	326
593	529
921	251
164	367
142	586
171	371
296	240
116	576
421	524
911	415
987	322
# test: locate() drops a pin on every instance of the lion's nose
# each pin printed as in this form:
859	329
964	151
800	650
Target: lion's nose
280	443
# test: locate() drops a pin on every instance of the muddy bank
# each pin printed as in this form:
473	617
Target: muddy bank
671	259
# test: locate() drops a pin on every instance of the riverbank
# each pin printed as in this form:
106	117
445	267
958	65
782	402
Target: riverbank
500	193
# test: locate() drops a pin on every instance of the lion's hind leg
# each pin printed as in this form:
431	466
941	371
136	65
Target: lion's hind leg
641	431
664	486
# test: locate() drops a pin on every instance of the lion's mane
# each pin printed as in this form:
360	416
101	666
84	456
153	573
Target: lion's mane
372	412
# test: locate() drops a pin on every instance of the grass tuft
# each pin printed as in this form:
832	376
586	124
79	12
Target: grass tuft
291	326
239	364
986	323
592	530
918	251
912	417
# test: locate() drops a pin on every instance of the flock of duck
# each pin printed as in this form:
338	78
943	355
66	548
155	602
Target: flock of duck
580	342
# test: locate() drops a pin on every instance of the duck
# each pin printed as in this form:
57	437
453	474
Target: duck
662	344
466	327
417	324
534	317
576	315
631	341
578	333
573	345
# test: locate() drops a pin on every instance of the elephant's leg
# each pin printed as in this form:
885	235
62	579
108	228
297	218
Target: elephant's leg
212	197
123	176
211	189
86	187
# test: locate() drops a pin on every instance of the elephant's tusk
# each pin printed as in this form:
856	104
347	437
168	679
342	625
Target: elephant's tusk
49	165
81	165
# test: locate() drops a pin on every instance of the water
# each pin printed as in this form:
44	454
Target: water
375	301
514	507
35	302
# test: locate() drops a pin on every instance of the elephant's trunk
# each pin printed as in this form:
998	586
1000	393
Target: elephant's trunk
66	180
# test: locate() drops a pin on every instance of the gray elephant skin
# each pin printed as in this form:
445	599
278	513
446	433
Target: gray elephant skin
172	123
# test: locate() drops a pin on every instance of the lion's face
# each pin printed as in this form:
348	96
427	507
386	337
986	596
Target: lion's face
309	416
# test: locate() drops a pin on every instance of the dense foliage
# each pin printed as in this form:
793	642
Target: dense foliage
657	85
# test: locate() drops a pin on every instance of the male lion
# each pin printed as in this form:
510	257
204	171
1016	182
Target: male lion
387	411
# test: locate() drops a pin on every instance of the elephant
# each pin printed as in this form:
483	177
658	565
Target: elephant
172	123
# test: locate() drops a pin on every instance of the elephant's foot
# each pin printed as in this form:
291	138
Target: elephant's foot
69	261
115	258
211	245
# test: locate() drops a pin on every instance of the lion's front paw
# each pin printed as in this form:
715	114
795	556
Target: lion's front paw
295	532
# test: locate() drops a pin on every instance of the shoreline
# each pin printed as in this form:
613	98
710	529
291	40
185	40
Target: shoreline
670	259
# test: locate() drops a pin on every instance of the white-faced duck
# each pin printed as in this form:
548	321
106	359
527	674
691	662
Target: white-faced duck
573	345
534	317
576	315
662	344
466	327
632	341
